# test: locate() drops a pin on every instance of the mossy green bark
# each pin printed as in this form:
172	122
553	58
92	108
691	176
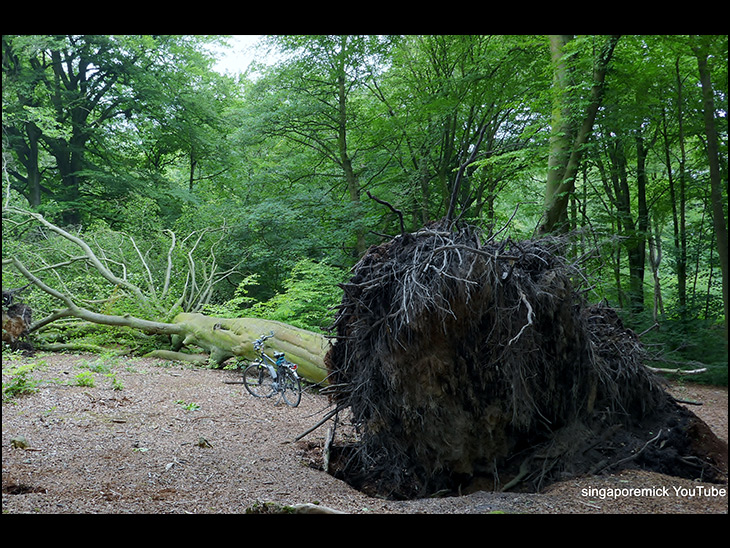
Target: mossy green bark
226	338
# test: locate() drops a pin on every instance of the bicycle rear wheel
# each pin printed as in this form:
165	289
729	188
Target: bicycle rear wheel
258	381
291	387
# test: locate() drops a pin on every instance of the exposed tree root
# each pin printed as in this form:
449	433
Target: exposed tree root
459	357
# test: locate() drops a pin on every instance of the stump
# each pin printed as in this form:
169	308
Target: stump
459	358
17	319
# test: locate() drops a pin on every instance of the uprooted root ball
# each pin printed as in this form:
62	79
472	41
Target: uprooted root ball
459	358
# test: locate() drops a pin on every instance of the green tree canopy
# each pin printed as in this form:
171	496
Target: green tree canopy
618	143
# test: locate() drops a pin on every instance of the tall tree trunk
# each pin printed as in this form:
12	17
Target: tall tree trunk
655	259
632	231
562	134
565	157
69	159
33	169
629	228
26	148
193	165
353	185
713	156
680	239
447	158
642	223
682	271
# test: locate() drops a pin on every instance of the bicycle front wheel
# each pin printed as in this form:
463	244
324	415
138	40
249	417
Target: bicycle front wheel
258	381
291	388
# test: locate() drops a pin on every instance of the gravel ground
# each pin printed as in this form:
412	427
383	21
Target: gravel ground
155	437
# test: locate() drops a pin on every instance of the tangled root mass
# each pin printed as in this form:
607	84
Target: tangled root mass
459	358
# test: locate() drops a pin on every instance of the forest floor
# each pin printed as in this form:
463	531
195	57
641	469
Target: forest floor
157	437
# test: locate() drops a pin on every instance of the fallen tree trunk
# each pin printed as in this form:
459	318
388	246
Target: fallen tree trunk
221	338
225	338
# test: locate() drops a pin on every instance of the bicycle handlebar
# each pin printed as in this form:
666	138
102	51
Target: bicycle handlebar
259	343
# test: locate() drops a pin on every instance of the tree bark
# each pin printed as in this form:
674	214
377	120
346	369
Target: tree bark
225	338
566	154
678	216
713	155
353	185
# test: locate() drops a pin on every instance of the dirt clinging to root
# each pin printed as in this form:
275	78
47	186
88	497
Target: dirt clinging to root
461	359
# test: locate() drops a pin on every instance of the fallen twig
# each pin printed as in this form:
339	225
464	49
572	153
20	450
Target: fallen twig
677	371
327	417
632	457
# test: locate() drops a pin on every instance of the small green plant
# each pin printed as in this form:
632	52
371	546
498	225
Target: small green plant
20	382
85	378
241	300
102	364
10	355
116	383
192	406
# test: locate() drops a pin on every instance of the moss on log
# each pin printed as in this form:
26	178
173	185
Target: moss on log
226	338
196	359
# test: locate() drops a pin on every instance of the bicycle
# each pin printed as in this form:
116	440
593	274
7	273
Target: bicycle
265	377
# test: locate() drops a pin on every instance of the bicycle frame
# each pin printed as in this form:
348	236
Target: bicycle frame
282	375
275	366
279	361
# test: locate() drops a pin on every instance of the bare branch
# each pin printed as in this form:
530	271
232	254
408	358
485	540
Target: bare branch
199	277
392	208
150	281
168	270
74	310
88	252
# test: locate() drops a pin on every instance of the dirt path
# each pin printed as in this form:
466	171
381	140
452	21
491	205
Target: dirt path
174	439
